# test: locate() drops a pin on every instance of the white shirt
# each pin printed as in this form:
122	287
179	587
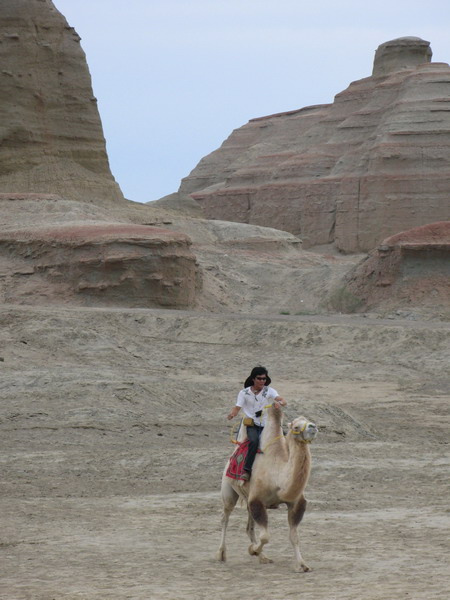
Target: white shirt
251	402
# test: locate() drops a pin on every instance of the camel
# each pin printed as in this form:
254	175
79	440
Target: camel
279	475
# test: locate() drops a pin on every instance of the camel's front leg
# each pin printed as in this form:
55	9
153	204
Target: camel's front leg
295	515
251	529
229	498
258	514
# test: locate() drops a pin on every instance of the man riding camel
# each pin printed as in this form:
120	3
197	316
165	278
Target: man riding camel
253	399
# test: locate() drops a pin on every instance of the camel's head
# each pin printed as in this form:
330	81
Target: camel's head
303	430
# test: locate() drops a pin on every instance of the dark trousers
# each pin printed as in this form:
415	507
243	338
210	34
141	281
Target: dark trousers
253	434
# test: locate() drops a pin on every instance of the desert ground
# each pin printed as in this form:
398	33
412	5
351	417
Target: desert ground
114	438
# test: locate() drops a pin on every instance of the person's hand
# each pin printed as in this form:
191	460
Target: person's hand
279	402
233	412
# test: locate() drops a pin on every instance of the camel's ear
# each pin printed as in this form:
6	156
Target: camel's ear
289	425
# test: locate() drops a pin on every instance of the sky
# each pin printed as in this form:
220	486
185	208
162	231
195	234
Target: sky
174	78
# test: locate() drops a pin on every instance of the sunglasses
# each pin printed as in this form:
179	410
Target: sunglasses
261	378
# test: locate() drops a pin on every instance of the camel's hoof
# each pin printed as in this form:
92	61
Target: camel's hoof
265	560
221	556
252	551
303	569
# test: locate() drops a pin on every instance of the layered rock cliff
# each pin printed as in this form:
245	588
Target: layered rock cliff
66	234
409	269
373	163
51	137
58	251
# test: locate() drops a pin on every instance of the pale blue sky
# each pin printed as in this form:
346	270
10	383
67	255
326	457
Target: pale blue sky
174	77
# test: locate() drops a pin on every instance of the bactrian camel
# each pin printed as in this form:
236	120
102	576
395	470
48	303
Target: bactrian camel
279	475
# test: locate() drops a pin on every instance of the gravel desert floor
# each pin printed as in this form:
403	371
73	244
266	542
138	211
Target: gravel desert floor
114	437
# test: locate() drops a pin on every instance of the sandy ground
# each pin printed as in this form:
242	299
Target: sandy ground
114	437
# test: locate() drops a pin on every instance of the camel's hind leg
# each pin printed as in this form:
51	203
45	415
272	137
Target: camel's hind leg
258	513
295	515
229	499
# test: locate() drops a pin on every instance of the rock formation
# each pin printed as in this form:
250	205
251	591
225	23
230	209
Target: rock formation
373	163
65	230
51	137
67	252
409	269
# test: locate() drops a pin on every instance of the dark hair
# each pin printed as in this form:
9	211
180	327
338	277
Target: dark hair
255	372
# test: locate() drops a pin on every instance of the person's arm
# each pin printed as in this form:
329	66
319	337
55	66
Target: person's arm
233	412
239	402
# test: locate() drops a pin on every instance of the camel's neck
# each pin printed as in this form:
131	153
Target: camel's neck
298	466
273	441
273	426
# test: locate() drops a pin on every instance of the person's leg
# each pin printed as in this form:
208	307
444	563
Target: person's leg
253	434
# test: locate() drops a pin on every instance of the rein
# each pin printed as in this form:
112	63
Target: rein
233	432
293	433
272	441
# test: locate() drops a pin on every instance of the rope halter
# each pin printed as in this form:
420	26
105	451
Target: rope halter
303	441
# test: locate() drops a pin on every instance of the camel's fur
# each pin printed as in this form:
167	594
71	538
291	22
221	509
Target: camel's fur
279	476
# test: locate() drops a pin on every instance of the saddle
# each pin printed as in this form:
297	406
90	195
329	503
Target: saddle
237	460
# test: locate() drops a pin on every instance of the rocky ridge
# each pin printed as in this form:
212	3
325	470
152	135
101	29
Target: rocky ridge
51	137
58	251
411	268
67	235
371	164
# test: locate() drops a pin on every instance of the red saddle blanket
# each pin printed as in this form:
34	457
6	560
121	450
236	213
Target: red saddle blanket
237	460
